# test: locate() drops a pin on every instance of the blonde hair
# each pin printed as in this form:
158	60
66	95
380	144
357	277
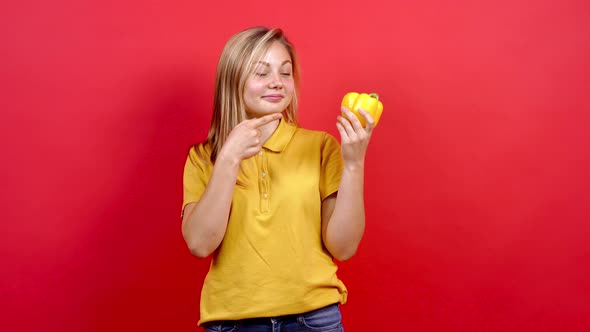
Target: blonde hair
236	64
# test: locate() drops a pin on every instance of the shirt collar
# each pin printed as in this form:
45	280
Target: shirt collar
281	137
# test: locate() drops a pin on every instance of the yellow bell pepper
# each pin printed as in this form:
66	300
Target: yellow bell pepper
369	102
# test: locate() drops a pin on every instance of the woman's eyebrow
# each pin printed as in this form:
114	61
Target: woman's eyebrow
268	64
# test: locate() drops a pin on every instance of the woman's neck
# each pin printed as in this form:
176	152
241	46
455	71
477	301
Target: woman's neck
268	129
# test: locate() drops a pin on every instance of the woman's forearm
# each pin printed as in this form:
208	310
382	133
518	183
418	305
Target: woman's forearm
347	222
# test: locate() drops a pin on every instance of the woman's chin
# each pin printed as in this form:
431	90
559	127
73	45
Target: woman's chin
262	113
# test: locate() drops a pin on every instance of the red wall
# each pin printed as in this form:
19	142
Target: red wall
478	190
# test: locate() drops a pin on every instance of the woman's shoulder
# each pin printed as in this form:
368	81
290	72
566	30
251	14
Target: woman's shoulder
200	153
203	147
316	137
314	133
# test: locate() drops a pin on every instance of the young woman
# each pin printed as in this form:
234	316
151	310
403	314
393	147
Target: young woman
274	203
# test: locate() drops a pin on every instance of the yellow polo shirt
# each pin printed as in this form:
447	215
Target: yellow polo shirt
272	261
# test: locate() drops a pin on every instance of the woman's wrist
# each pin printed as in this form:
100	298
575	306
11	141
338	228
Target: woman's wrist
227	161
354	167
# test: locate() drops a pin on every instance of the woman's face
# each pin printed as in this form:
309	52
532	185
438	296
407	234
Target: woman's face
270	88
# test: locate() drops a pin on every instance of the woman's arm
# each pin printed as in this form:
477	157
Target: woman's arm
204	223
343	214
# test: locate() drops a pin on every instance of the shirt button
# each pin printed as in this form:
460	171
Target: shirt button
263	174
265	195
261	153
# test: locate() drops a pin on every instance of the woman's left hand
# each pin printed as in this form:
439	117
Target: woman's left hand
354	138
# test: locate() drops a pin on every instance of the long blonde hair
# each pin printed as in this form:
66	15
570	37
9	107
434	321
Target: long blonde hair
235	65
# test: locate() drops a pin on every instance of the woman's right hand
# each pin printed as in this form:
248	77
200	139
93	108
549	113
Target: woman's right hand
244	141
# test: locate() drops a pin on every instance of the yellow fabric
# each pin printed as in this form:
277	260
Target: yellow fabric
272	261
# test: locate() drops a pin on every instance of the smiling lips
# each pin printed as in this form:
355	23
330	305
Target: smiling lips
273	98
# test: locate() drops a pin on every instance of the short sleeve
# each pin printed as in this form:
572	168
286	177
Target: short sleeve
331	166
197	171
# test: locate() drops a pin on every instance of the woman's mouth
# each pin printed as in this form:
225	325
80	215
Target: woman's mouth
273	98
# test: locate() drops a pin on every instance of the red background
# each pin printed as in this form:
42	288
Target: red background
477	186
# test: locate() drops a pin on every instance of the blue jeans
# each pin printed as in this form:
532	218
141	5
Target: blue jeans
326	319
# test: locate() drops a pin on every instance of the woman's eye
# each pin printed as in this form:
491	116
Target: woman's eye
286	74
261	74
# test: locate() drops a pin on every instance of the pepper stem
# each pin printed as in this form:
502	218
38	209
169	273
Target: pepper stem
374	95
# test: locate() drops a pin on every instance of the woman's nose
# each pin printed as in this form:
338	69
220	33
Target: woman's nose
276	81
